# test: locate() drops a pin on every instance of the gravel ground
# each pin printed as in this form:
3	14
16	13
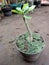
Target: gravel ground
13	26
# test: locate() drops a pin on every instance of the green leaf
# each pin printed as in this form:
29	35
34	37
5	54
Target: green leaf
19	10
15	11
25	7
27	17
31	8
36	36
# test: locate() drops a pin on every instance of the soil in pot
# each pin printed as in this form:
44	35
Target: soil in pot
30	49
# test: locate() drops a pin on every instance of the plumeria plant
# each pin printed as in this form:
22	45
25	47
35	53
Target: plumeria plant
29	44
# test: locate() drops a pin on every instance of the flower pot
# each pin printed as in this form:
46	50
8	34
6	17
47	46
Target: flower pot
7	11
34	55
37	3
13	6
30	57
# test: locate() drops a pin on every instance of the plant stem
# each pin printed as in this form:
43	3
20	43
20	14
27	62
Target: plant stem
28	29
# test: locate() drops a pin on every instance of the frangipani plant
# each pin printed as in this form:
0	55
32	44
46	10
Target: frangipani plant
29	44
24	11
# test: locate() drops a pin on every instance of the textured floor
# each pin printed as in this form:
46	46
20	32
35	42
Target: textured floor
13	26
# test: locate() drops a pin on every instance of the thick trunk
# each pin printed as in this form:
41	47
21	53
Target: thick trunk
28	29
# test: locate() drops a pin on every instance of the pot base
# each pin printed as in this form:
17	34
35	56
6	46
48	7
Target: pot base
30	58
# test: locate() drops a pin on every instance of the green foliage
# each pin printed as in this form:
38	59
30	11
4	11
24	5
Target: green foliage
25	9
27	17
14	11
3	3
31	8
36	36
19	10
32	47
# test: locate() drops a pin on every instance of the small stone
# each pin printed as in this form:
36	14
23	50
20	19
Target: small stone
47	34
17	28
11	41
36	31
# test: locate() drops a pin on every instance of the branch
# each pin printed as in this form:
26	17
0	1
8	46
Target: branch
28	29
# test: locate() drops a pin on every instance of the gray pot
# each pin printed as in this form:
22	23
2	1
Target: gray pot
30	57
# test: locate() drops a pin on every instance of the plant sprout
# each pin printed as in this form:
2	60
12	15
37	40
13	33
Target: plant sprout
24	11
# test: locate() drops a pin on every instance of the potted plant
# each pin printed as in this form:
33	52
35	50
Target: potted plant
29	44
6	9
37	3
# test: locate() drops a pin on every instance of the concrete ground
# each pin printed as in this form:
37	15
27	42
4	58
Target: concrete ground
13	26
